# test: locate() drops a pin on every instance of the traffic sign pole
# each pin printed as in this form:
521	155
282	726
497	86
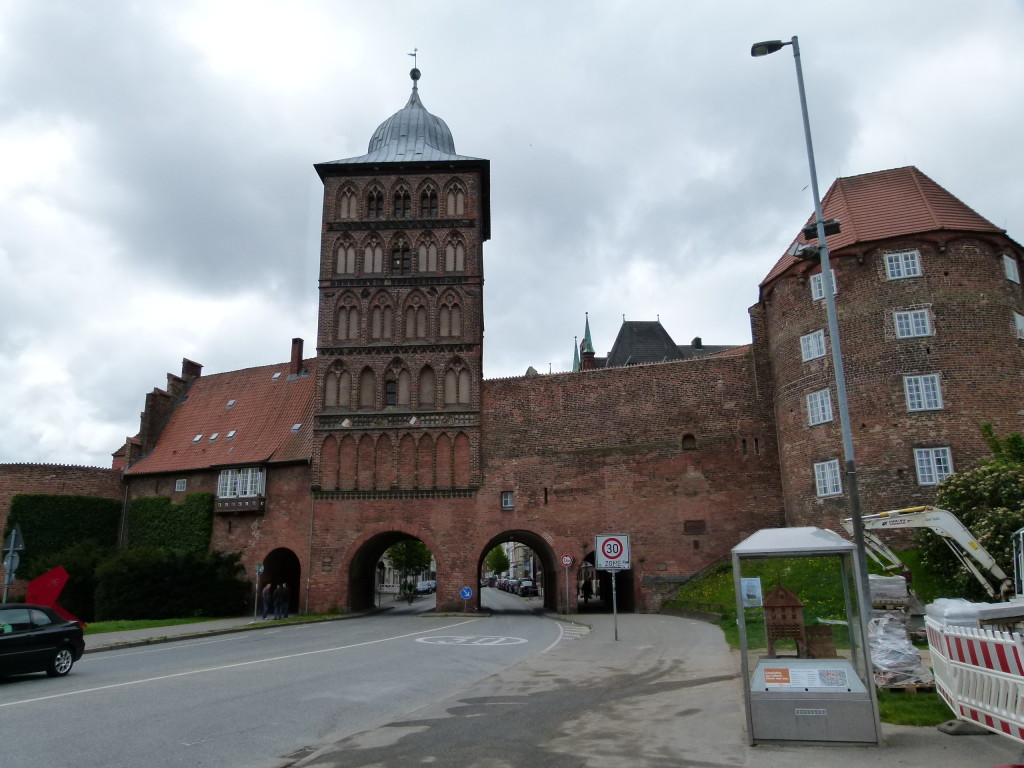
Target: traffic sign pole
567	562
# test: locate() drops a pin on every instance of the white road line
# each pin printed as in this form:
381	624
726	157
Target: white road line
229	666
561	633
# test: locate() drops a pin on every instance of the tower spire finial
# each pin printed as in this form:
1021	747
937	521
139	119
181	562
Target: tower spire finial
414	73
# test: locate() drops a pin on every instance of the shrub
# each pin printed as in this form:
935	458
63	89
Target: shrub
154	583
80	560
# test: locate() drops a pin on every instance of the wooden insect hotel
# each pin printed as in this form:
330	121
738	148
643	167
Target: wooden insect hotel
784	617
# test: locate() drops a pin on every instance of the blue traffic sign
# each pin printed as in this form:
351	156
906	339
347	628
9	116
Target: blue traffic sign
466	593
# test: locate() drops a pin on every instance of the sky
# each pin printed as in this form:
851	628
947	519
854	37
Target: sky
158	199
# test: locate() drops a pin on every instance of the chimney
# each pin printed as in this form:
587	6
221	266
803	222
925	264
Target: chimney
697	344
190	369
296	366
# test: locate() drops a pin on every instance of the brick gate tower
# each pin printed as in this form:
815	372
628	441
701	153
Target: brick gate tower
400	328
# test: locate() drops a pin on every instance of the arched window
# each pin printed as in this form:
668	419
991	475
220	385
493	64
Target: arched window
464	387
346	263
348	320
451	387
375	204
456	200
415	319
401	259
331	389
366	389
449	318
381	324
347	204
404	387
455	257
689	443
427	257
391	392
373	258
337	389
427	389
428	203
403	204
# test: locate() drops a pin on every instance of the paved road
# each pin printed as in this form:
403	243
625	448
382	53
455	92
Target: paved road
248	698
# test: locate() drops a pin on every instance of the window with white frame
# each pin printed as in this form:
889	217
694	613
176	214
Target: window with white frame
933	465
924	392
819	407
1010	268
1018	321
507	500
916	322
903	264
818	285
826	478
240	483
180	485
812	345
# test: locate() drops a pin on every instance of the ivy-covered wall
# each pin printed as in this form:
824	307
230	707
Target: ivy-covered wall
51	523
155	521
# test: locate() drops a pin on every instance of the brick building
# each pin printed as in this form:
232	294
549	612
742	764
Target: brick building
390	432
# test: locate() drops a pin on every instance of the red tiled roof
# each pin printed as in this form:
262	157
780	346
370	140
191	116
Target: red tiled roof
887	204
264	411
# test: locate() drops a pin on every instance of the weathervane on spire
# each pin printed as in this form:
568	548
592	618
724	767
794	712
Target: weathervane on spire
413	54
414	73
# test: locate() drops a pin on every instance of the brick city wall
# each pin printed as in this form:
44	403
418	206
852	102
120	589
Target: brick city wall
56	479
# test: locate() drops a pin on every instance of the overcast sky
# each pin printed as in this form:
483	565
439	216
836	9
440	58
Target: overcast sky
158	198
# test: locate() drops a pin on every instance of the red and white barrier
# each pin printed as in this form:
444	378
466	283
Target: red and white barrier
980	674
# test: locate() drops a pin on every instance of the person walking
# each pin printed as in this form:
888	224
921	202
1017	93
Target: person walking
268	596
285	600
588	591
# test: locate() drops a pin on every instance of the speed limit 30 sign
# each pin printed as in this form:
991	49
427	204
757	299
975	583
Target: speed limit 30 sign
611	552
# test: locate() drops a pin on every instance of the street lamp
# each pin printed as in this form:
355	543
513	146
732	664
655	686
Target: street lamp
822	228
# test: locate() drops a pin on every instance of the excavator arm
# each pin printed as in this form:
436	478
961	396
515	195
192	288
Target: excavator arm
971	555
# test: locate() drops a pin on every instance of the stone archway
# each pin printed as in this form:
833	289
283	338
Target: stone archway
282	566
547	567
363	573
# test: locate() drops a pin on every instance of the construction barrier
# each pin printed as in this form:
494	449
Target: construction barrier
980	675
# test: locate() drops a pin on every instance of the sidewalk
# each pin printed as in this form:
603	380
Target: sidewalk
667	693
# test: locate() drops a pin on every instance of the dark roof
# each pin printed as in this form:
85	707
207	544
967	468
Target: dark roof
885	205
646	341
261	405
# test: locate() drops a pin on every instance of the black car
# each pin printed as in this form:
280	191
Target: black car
34	638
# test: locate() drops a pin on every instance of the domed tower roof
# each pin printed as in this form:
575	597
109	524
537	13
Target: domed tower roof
411	134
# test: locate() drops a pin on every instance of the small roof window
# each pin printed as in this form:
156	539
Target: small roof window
230	435
231	404
196	439
276	376
214	436
296	427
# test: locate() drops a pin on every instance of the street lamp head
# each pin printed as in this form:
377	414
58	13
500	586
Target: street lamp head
766	47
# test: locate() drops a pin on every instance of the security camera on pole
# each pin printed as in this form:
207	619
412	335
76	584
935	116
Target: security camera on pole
611	553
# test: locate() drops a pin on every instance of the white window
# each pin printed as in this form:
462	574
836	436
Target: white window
933	465
1010	268
240	483
180	485
819	407
913	323
506	500
903	264
924	393
826	478
812	345
818	285
1018	321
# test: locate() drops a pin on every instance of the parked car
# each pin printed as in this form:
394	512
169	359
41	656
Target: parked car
527	588
34	638
424	587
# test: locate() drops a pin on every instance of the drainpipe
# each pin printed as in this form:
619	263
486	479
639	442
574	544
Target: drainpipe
309	558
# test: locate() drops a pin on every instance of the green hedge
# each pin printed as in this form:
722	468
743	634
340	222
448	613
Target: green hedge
152	583
51	523
155	522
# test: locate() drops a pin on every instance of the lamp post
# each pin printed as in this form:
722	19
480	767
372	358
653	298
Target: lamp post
763	49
